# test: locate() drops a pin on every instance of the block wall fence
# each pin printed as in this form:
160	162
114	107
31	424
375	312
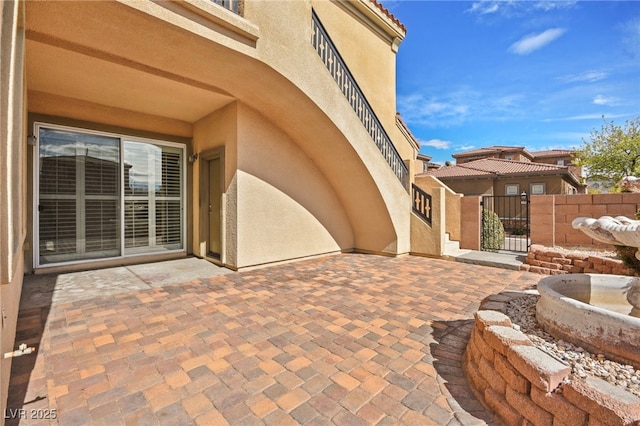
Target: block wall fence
550	218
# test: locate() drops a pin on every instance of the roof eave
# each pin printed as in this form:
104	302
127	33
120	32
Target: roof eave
376	17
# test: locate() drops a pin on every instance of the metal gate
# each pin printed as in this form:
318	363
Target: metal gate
505	223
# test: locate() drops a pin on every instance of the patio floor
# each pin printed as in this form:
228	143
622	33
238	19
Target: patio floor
347	339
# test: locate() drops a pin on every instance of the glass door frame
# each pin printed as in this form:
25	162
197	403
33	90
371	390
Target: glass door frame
123	137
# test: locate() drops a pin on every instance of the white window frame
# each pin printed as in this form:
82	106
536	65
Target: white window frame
533	185
508	189
123	137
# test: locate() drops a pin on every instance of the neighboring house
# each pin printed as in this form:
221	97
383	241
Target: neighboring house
423	163
249	133
558	157
492	176
511	153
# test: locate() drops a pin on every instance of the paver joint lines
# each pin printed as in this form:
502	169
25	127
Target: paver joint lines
345	339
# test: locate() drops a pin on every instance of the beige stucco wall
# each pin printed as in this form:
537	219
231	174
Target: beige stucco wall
471	187
429	239
13	177
553	184
452	204
278	204
170	65
286	207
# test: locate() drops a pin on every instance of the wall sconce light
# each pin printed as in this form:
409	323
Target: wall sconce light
523	198
193	158
31	140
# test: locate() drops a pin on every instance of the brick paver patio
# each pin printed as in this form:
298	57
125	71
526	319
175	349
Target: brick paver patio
346	339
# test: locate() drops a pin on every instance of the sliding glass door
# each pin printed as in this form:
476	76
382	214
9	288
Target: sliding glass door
103	196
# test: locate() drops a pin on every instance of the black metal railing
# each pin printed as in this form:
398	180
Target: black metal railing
421	203
233	5
347	84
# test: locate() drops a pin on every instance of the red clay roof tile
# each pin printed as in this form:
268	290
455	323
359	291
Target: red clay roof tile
491	166
389	14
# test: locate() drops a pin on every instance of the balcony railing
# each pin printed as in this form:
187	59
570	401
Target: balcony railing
347	84
233	5
421	203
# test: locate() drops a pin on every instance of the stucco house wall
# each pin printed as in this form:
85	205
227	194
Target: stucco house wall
301	174
13	173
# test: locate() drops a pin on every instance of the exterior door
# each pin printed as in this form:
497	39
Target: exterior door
214	243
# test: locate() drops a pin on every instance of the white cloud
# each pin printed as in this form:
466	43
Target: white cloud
484	7
548	6
587	76
432	111
533	42
602	100
436	143
512	8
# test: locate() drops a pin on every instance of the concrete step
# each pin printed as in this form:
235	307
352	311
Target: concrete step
452	248
498	260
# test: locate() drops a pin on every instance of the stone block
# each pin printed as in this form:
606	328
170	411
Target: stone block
495	381
595	260
539	270
536	248
515	380
478	382
581	263
543	371
577	256
485	319
564	412
608	403
501	407
528	409
485	350
501	338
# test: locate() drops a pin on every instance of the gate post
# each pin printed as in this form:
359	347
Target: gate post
470	222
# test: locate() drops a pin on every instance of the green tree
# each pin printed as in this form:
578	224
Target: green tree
612	153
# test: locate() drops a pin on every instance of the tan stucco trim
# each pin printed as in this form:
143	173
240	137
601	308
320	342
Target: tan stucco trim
372	17
222	17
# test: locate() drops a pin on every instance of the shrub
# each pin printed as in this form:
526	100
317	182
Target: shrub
628	256
492	231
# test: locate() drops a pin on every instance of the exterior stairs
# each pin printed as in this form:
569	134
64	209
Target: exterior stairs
452	248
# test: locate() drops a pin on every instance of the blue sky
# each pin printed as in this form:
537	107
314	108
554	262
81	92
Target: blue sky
524	73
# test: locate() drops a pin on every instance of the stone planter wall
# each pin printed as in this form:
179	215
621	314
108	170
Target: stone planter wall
545	260
521	384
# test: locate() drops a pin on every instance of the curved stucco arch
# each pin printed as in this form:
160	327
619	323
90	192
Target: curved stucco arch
279	76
